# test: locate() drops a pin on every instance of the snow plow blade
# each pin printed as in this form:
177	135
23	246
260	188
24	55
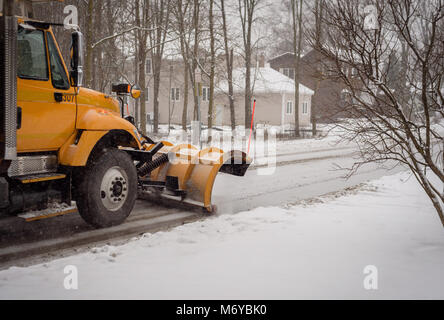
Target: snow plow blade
187	175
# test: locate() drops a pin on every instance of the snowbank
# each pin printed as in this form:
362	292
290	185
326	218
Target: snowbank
312	249
222	139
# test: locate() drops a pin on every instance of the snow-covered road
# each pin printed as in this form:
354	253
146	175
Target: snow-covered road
305	169
316	250
274	237
303	176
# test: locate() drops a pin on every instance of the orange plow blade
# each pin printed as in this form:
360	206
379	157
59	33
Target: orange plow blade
189	175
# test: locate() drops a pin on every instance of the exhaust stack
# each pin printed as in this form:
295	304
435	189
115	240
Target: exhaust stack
8	82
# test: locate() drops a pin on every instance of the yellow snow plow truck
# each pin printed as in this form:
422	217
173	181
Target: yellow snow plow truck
60	142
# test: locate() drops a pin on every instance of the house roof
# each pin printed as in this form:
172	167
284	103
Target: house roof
264	80
284	55
280	56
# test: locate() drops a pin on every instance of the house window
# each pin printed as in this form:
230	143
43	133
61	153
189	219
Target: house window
289	72
148	66
205	94
147	94
304	107
175	94
289	107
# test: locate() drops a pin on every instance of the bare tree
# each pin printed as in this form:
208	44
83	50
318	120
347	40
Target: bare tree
318	37
296	12
109	50
195	57
180	10
103	57
159	12
89	41
142	16
229	56
212	66
388	125
247	10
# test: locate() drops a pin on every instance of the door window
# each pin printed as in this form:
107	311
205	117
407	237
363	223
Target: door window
58	73
32	63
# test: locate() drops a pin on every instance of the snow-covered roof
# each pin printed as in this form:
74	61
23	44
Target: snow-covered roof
281	55
263	80
285	54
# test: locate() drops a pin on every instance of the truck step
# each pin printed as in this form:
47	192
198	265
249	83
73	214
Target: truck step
48	213
41	177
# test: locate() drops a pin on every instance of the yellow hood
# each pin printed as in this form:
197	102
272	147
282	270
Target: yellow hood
92	98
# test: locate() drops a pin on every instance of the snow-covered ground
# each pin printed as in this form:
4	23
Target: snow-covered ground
262	149
311	249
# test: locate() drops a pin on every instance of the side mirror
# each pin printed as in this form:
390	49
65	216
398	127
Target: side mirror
76	72
135	91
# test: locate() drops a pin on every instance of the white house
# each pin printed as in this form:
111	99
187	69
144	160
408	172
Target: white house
274	93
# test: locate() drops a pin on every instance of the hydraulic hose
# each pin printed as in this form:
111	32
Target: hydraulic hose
149	167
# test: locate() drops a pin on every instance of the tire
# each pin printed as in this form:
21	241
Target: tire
106	191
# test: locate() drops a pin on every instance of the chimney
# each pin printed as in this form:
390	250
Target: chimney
261	61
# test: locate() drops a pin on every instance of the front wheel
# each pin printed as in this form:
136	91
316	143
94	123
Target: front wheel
107	189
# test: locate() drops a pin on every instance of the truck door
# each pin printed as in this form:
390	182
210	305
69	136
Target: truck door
44	94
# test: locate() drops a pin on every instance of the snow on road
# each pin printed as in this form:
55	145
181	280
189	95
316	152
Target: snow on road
292	182
314	249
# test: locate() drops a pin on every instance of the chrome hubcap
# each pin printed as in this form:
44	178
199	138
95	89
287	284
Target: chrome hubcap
114	188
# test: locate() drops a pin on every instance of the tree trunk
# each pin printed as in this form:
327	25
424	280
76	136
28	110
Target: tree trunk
248	93
158	17
195	59
141	39
185	99
313	110
137	81
212	69
319	9
297	37
247	18
248	87
231	90
143	85
157	66
184	50
89	42
229	62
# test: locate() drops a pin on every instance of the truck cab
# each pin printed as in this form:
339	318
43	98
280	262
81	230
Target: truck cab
53	108
47	100
61	131
70	146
